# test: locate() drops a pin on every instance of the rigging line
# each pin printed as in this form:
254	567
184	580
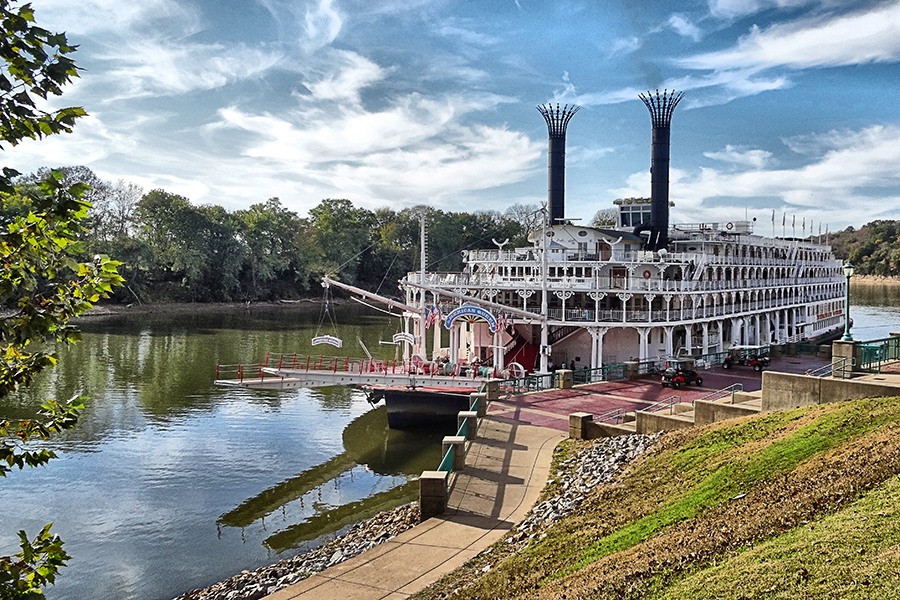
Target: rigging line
478	241
373	307
356	255
386	273
323	311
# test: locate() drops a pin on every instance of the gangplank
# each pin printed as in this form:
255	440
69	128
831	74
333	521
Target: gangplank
286	371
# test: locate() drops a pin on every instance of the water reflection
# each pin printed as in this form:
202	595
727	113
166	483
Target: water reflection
169	483
367	441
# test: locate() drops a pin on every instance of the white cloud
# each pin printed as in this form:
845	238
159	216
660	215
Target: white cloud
413	149
683	27
855	38
467	36
852	179
92	17
343	77
625	46
752	158
159	68
143	48
323	23
730	9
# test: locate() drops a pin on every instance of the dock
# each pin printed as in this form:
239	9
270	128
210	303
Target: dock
507	467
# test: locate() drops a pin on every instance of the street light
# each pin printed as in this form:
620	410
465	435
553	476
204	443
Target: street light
848	272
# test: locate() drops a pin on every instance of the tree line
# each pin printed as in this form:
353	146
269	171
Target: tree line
873	249
173	250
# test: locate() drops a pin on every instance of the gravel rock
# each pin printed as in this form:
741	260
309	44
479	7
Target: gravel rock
365	535
579	475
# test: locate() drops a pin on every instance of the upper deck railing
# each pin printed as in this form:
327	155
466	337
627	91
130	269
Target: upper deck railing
634	283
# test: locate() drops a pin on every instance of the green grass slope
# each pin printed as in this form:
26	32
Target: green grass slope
794	504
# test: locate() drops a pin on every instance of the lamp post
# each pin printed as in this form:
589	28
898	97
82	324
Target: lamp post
848	272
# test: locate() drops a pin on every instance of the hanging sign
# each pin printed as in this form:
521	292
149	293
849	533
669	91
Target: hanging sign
404	337
327	339
471	311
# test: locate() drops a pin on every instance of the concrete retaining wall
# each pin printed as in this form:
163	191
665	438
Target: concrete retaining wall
653	422
710	412
782	391
582	427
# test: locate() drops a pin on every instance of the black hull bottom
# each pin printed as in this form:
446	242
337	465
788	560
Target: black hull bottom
415	408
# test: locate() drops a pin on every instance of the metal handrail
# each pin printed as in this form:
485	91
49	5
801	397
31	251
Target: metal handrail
668	402
447	461
731	389
828	369
613	414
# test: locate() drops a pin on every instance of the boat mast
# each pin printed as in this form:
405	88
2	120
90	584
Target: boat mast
422	345
545	349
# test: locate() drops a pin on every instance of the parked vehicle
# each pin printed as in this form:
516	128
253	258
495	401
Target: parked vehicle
756	357
680	373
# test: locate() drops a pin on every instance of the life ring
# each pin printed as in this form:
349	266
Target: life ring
729	226
647	274
516	370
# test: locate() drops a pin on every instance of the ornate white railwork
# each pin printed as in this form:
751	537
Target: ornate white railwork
525	295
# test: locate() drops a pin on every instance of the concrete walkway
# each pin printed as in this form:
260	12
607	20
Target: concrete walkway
506	469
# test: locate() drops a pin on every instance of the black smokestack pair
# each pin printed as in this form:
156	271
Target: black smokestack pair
557	121
661	107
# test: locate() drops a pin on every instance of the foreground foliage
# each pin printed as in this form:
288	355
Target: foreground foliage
46	287
43	285
784	505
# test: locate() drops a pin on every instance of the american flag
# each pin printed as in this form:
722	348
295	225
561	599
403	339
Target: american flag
432	316
502	322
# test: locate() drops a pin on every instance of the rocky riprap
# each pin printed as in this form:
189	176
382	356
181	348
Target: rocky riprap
257	583
577	476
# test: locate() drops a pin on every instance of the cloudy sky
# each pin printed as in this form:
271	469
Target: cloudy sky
790	106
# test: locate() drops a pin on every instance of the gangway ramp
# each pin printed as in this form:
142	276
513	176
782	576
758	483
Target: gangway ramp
295	371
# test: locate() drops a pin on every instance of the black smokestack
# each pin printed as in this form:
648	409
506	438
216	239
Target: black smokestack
557	121
661	107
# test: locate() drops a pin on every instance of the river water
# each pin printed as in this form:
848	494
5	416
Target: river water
169	483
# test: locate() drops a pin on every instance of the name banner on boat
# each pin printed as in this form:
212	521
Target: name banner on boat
404	337
327	339
471	311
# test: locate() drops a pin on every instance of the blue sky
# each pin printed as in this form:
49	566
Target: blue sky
790	106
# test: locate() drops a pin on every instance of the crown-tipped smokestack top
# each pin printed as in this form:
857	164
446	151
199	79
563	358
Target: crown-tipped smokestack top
557	120
661	107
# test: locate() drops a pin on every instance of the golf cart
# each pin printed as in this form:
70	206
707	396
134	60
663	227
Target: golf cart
680	371
751	356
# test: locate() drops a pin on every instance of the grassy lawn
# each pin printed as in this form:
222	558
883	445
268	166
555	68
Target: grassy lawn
773	506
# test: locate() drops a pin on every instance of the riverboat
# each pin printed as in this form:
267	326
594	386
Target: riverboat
638	290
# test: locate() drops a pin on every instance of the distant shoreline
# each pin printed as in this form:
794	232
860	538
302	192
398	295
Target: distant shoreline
104	310
867	280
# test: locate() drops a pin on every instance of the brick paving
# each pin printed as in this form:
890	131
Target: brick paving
552	408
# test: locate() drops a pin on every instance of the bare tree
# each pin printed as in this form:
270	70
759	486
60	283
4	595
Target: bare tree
606	217
526	215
